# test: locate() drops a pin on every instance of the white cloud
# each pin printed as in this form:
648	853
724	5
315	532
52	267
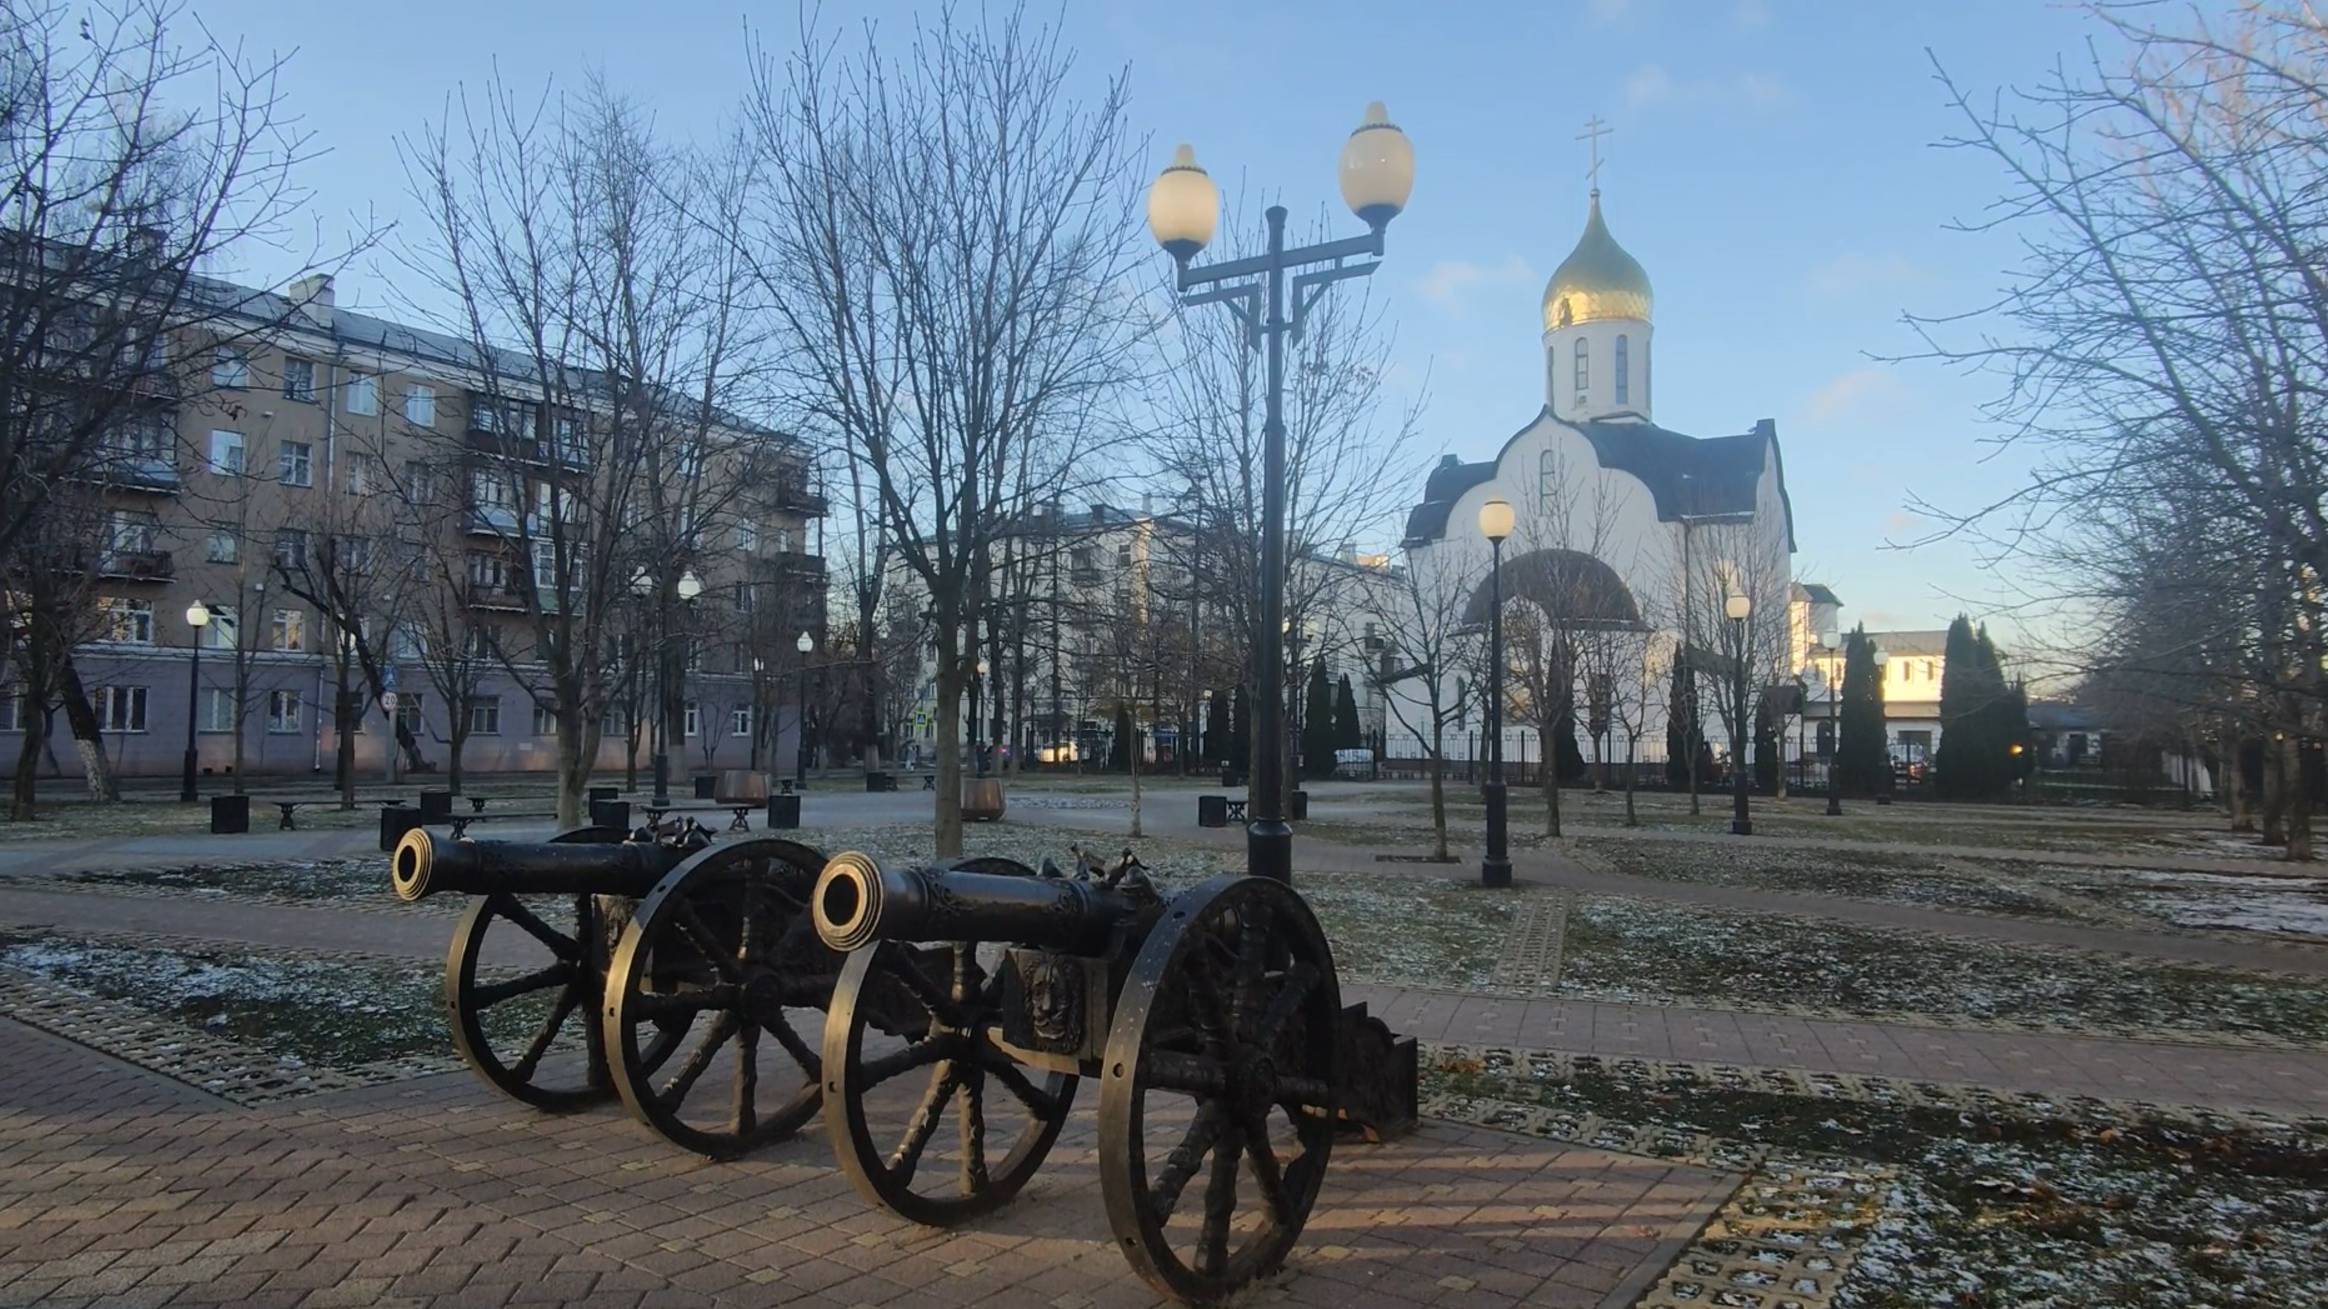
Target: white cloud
1856	273
1859	395
1752	13
1609	11
1451	282
1651	84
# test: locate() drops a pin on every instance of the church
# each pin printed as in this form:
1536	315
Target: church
1633	545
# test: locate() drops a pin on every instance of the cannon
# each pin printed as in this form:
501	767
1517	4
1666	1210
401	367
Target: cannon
982	992
664	957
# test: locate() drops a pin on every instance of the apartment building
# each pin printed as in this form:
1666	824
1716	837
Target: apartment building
394	451
1114	606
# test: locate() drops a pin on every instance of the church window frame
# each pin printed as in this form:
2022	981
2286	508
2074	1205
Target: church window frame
1583	353
1624	353
1547	479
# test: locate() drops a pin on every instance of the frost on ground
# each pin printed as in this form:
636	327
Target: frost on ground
340	1014
1995	1210
1913	879
296	879
1641	951
2297	906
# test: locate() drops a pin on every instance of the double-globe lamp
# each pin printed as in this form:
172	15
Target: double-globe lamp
1377	174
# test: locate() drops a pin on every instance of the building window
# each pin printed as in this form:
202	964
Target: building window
1547	479
406	641
8	721
231	369
694	719
290	549
485	716
299	380
221	548
419	482
282	711
363	394
226	453
295	465
740	722
408	711
361	479
217	709
490	490
420	406
219	635
747	536
1624	360
545	722
291	630
129	621
121	708
1583	365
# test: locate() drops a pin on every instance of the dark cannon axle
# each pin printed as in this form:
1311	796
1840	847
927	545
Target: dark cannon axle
423	865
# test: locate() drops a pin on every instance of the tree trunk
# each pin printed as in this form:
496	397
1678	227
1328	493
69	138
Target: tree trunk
453	760
2295	802
21	796
947	827
573	764
88	738
1632	754
346	738
1134	755
2275	793
1551	778
1438	795
242	705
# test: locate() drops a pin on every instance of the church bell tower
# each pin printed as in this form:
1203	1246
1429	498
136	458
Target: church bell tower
1597	323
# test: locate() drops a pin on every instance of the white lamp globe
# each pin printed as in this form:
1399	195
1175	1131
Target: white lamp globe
806	642
1378	169
1737	607
1496	519
1183	206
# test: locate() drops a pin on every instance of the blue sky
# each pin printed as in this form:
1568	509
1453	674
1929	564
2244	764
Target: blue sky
1771	165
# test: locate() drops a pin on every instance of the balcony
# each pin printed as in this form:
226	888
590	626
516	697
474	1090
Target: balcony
495	595
795	495
137	565
493	520
797	564
124	470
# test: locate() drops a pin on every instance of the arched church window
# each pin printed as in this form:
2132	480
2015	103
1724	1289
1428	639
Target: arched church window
1624	353
1583	364
1547	478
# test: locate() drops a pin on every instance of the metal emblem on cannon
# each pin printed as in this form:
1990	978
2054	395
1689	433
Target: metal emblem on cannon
662	958
982	993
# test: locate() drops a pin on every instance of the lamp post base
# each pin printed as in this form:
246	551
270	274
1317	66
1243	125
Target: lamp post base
1741	827
1495	870
662	798
186	781
1269	849
1834	801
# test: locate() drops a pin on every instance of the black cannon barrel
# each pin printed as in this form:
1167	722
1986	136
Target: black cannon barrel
423	865
858	902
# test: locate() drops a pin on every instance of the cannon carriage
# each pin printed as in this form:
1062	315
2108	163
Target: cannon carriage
663	969
979	995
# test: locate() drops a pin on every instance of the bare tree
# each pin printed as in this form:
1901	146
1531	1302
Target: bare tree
945	249
2165	339
1428	637
605	332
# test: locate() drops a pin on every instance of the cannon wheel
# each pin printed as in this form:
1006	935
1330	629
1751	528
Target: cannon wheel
718	951
943	1000
574	976
1220	1060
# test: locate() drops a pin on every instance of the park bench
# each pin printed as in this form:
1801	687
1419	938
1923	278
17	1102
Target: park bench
288	807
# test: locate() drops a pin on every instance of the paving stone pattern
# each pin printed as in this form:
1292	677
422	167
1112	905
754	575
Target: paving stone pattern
1531	949
122	1188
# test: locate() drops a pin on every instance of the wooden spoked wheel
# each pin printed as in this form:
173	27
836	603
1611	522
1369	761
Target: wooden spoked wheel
722	959
524	972
929	1117
1216	1112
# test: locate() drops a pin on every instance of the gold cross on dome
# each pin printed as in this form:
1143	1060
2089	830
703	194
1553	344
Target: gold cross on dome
1594	130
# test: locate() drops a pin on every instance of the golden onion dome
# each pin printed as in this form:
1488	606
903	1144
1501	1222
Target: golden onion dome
1597	280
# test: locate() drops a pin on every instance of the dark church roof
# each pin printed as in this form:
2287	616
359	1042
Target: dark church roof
1685	474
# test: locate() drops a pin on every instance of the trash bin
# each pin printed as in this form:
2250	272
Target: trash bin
395	821
880	782
230	814
981	799
599	793
1300	806
1212	811
706	784
783	812
1230	777
610	813
436	806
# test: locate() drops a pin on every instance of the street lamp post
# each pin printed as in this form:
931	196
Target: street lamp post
1377	174
1834	743
977	724
1737	608
197	617
688	587
1495	523
1883	785
806	645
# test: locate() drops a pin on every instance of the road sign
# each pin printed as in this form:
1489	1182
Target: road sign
388	678
388	702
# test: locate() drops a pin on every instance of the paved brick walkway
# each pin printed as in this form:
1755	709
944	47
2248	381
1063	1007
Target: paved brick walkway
118	1188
